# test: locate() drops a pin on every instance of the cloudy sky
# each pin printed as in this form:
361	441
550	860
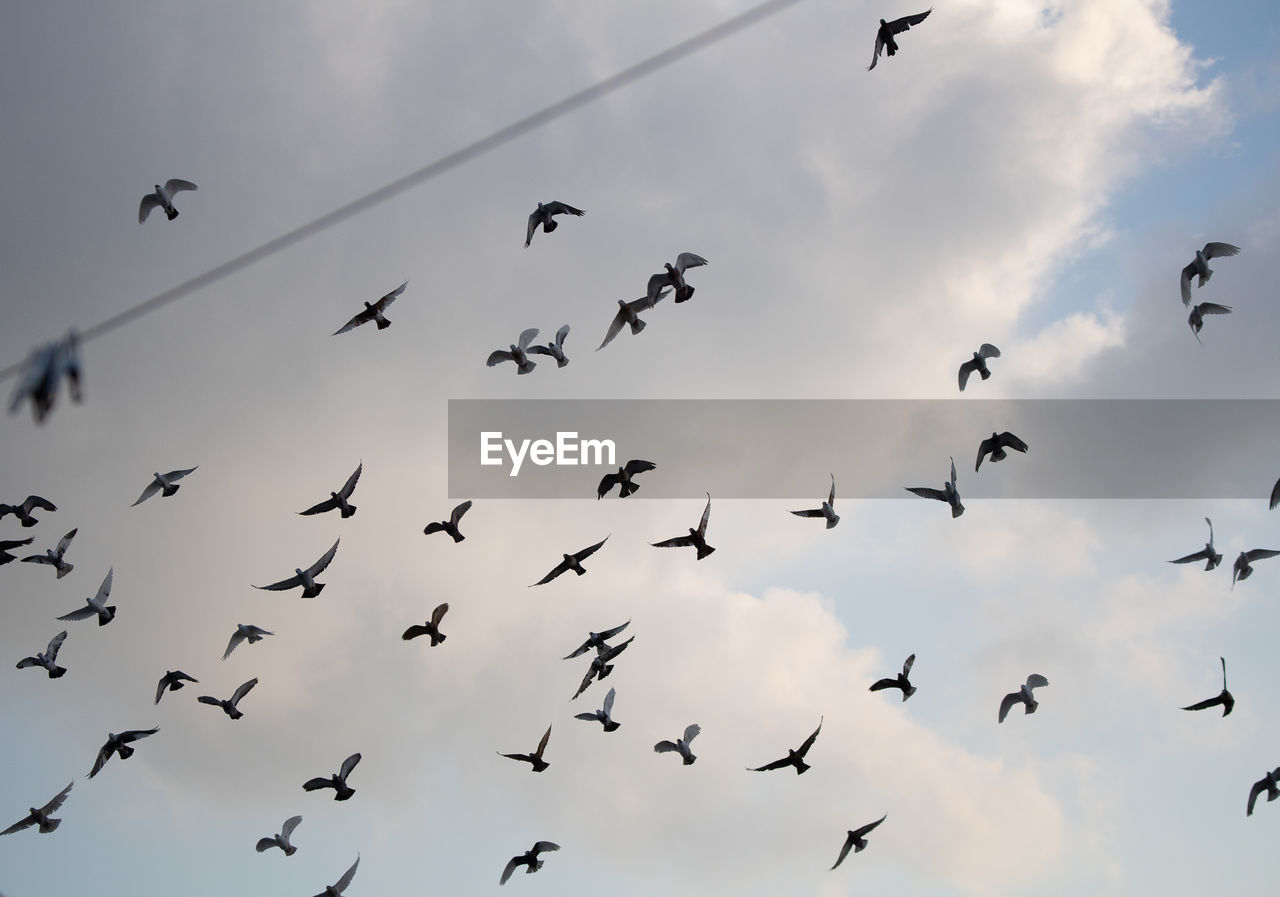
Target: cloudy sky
1031	174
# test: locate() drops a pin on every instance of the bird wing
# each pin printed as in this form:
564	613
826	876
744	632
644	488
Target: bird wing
348	765
35	501
965	370
54	644
319	565
706	515
776	764
677	542
953	472
636	466
383	303
542	745
175	185
327	505
664	747
1035	680
9	544
456	514
1258	787
608	654
209	699
586	680
556	207
688	260
808	742
438	614
527	337
58	800
540	350
590	550
179	474
18	826
1259	554
615	327
1275	495
691	731
986	350
1007	703
607	482
589	716
265	844
555	571
831	499
897	26
608	701
135	734
341	884
986	447
653	290
105	589
65	542
1185	282
925	492
1201	555
104	753
579	651
289	825
1008	440
1224	672
350	485
562	334
870	826
362	317
152	488
610	633
149	202
243	690
908	664
414	631
817	512
848	841
497	356
535	218
163	684
83	613
514	861
881	684
282	585
317	783
1218	250
1208	702
1213	308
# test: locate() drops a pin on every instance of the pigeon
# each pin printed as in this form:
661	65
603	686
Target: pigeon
244	631
794	758
604	715
336	889
535	759
281	840
1199	267
555	349
900	682
600	666
1269	783
885	41
572	562
1243	569
337	782
680	745
23	511
827	510
305	578
995	447
7	545
373	312
338	499
450	526
119	744
162	483
1035	680
1206	554
857	839
542	215
43	371
48	657
528	858
696	538
172	681
163	197
978	364
627	314
623	478
674	277
229	706
596	640
40	816
1196	320
517	353
53	556
431	627
94	606
947	493
1223	697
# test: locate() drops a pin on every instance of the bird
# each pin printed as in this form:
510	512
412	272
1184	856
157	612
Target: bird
48	657
528	858
23	511
1275	495
172	680
373	312
947	493
42	373
450	526
543	215
229	706
517	353
995	447
681	745
163	483
535	759
900	681
338	500
554	349
1269	783
1196	320
1035	680
857	840
1206	554
336	889
827	510
627	313
978	364
794	758
281	840
306	578
1199	266
431	627
604	715
596	640
94	606
7	545
1243	569
53	556
886	31
163	197
623	478
119	744
696	538
40	816
674	277
244	631
337	782
600	665
572	562
1223	697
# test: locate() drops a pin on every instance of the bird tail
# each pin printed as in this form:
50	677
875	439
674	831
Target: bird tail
637	327
437	639
1031	708
64	569
546	229
234	714
704	550
52	824
528	366
311	593
626	489
290	850
57	672
384	324
125	752
104	619
348	511
169	490
801	767
684	294
172	213
458	538
833	521
611	725
985	375
344	793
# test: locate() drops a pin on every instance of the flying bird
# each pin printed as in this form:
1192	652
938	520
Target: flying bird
674	277
40	816
535	759
604	715
172	681
542	215
681	745
1196	320
163	483
450	526
529	858
1275	495
1206	554
96	605
857	840
572	562
628	313
163	197
885	41
827	510
305	578
48	657
281	840
338	500
119	744
1269	783
373	312
1199	267
336	889
995	447
596	640
978	364
7	545
1035	680
53	556
23	511
623	478
696	538
554	349
1223	697
517	353
600	665
947	493
244	631
337	782
42	373
229	706
1243	569
900	681
794	758
431	627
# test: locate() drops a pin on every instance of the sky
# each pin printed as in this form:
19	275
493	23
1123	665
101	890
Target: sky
1029	174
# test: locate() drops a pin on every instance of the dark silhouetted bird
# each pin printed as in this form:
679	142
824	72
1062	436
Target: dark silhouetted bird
48	657
600	665
281	840
450	526
529	858
373	311
697	538
7	545
622	478
23	511
554	349
828	509
96	606
336	889
1269	783
42	374
338	500
119	744
628	313
1035	680
431	627
163	198
794	758
1206	554
1223	697
229	705
40	816
337	782
1199	267
857	840
305	578
681	745
572	562
535	759
53	556
542	215
163	483
1196	320
596	640
885	36
252	633
674	277
900	682
947	493
517	352
978	364
1243	568
604	716
995	447
172	681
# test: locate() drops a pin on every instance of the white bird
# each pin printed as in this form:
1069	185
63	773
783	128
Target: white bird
163	483
281	840
978	364
229	705
674	277
40	815
336	889
947	493
628	314
517	353
681	745
884	37
529	858
53	556
96	605
1023	694
1196	319
373	312
163	197
244	631
48	657
338	499
827	510
1199	267
305	578
554	349
604	715
542	215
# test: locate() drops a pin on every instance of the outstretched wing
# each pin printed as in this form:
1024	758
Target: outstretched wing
615	327
58	800
438	614
282	585
1205	704
289	825
149	202
848	841
243	690
152	488
535	218
385	301
1218	250
327	505
348	765
925	492
176	185
1006	704
457	512
526	337
607	482
908	664
341	884
677	542
497	356
319	565
808	742
688	260
1008	440
691	731
1201	555
363	317
83	613
555	571
965	370
706	515
556	207
636	466
1185	282
350	485
1213	308
590	550
776	764
882	684
897	26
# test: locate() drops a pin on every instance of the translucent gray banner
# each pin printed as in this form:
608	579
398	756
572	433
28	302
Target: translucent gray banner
1095	449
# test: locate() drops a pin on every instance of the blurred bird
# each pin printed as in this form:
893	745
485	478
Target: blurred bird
623	478
628	314
572	562
162	483
827	510
517	353
7	545
336	889
1223	697
681	745
48	657
40	816
554	349
305	578
596	640
1275	495
529	858
1206	554
229	706
856	839
1269	783
947	493
42	373
172	681
23	511
1199	267
900	682
450	526
337	782
600	665
674	277
244	631
373	312
543	215
794	758
696	538
995	447
978	364
431	627
604	715
119	744
94	606
1035	680
163	197
1243	569
535	759
281	840
338	500
885	41
53	556
1196	320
